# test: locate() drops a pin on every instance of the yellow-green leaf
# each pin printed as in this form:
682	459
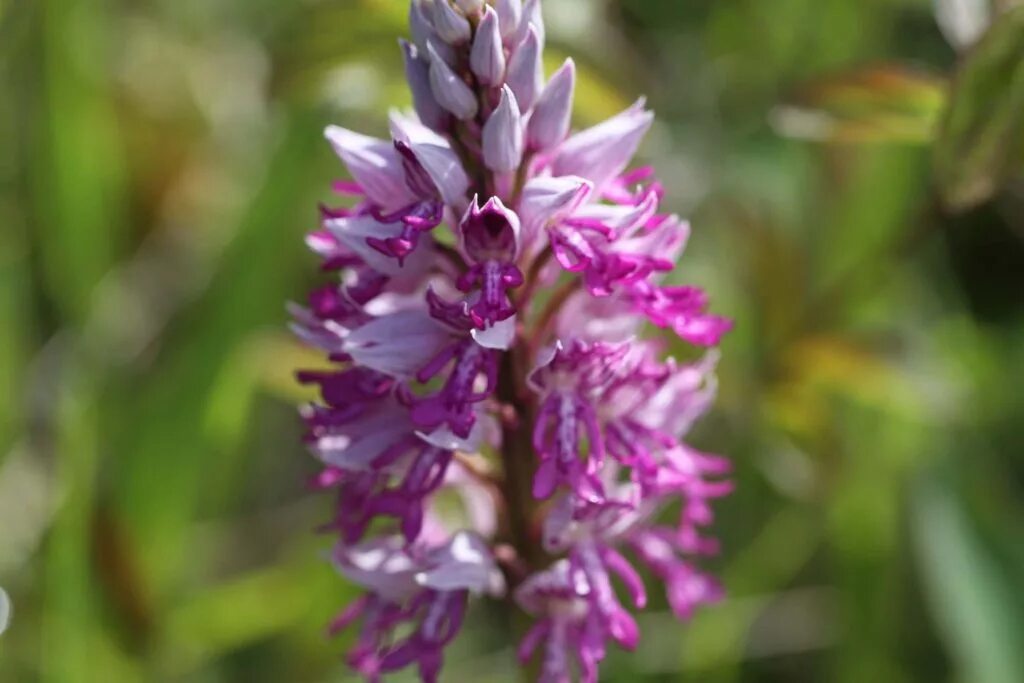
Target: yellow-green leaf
983	129
887	103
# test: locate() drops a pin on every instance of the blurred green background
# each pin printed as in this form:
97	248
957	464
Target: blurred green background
853	169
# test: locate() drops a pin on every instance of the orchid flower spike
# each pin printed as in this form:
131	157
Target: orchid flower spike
491	274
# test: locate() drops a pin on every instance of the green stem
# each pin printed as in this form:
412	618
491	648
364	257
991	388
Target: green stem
518	460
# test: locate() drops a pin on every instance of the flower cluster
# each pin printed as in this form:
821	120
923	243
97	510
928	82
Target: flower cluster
492	273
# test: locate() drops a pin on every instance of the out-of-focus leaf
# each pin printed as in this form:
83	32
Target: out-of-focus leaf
79	178
769	625
5	610
982	135
717	636
329	40
162	481
971	598
830	365
16	331
887	103
28	494
265	361
765	47
244	610
74	619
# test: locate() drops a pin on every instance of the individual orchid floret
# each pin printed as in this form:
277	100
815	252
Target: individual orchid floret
472	374
570	636
424	587
490	232
567	380
490	238
493	280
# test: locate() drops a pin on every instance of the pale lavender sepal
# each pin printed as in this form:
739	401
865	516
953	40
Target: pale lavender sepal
503	135
608	319
549	123
487	57
477	498
624	219
535	593
465	563
498	336
443	437
417	74
684	398
355	446
445	169
327	335
353	231
525	70
399	344
449	24
557	532
435	155
407	129
546	200
375	165
451	92
382	566
602	152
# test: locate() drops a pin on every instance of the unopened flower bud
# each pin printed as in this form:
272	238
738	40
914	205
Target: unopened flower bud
452	27
451	92
531	18
487	58
510	13
549	123
417	73
503	135
419	24
525	73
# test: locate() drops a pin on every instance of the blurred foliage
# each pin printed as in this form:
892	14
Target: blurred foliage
982	141
857	188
